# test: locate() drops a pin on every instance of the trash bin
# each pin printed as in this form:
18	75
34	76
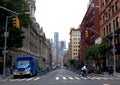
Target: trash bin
7	71
110	70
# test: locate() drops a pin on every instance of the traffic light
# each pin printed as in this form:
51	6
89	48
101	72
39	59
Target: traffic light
16	22
86	33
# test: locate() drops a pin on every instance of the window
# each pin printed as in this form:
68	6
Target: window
114	24
116	5
108	13
113	9
106	17
106	2
103	19
117	22
104	31
107	29
110	27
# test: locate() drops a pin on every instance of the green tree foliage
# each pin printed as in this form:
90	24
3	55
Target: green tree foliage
75	64
16	36
96	51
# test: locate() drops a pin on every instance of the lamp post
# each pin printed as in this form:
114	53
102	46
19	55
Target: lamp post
5	45
113	50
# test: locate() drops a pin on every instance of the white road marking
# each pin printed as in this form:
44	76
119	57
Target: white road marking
77	78
71	78
98	78
36	78
105	78
20	79
106	84
57	78
29	79
117	78
64	78
84	78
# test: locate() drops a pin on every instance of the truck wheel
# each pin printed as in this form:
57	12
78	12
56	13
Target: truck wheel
30	75
15	76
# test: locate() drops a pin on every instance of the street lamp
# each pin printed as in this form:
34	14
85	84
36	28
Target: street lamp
113	50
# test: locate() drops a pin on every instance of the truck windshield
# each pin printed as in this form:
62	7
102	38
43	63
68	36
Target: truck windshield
23	63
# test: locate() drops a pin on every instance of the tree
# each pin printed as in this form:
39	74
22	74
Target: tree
75	64
16	36
96	51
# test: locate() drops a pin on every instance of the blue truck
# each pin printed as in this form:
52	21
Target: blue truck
25	66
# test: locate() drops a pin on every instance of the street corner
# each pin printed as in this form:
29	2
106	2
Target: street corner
4	79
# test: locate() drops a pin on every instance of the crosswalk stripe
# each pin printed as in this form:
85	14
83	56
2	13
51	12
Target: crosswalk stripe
57	78
68	77
20	79
77	78
105	78
37	78
84	78
64	78
71	78
117	78
29	79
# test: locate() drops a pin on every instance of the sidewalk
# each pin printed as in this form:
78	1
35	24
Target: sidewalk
106	74
4	77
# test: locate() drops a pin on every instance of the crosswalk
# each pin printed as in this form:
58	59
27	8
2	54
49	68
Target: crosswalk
26	79
84	78
57	78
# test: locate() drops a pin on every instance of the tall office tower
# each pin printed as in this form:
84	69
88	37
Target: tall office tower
53	52
62	45
56	42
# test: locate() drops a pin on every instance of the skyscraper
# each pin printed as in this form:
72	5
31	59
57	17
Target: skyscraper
56	42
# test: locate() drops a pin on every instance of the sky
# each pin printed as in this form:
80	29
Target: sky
59	16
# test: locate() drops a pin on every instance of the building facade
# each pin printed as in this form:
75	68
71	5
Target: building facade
110	29
34	43
56	43
74	41
89	28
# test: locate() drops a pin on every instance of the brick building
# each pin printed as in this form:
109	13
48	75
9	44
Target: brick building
89	28
110	25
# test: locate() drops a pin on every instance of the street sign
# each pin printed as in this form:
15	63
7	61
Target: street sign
6	34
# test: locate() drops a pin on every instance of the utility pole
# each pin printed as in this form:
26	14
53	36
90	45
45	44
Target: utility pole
113	50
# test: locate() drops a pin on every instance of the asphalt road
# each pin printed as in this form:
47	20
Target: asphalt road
63	77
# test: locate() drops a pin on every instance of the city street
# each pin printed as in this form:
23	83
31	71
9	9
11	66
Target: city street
63	77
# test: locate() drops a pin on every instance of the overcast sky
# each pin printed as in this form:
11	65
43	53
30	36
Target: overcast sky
60	16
